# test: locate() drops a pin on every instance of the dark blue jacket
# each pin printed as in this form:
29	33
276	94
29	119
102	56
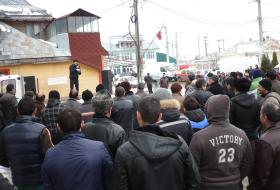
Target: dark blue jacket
77	163
20	144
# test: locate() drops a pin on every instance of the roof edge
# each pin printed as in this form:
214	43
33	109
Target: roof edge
40	60
79	12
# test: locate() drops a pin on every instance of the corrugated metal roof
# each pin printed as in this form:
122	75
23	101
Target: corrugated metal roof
87	49
17	45
20	7
14	2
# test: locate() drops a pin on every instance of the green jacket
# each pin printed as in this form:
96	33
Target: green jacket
255	83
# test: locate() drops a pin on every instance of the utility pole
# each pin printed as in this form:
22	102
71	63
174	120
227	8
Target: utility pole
172	46
167	45
198	46
177	49
205	44
219	47
260	20
137	41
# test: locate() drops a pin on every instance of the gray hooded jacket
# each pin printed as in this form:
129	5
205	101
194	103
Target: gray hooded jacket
221	151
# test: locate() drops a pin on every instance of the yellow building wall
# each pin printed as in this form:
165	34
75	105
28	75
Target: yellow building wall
89	78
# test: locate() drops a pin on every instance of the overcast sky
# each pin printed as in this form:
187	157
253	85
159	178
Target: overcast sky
231	20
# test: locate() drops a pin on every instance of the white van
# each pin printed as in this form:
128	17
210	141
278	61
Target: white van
16	80
156	71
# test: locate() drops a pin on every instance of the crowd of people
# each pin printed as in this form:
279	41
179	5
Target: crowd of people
223	133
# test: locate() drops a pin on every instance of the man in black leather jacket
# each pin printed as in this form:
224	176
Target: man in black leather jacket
122	110
153	159
102	128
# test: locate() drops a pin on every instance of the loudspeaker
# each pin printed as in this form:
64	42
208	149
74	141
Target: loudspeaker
30	84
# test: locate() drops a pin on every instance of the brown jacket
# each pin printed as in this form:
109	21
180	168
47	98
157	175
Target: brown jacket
267	162
275	86
272	97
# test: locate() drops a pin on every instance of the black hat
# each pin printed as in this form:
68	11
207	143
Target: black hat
271	75
266	84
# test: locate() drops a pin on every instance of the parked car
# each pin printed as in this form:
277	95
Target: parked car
131	79
182	75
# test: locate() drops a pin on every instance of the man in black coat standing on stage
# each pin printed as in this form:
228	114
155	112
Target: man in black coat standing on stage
74	71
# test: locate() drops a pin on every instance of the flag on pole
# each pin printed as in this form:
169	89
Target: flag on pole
159	35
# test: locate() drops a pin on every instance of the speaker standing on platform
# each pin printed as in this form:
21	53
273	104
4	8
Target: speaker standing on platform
74	71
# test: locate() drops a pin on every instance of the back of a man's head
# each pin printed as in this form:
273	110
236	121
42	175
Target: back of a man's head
26	106
54	94
230	81
99	87
233	74
120	92
10	87
87	95
176	87
190	103
126	86
200	83
271	111
30	93
239	74
102	103
242	85
149	109
69	120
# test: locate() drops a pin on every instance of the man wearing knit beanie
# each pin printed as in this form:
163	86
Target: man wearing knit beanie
162	94
264	90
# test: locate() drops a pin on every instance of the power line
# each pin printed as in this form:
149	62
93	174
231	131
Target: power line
197	19
272	17
271	4
115	7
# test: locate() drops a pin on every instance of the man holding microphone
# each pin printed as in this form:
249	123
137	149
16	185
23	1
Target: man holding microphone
75	71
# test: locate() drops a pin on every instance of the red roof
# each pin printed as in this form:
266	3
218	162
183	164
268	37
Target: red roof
87	49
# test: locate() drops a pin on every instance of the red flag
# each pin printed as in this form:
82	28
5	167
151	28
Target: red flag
159	35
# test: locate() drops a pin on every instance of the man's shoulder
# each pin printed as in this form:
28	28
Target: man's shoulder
104	123
271	133
127	150
8	128
7	96
213	130
123	102
87	144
